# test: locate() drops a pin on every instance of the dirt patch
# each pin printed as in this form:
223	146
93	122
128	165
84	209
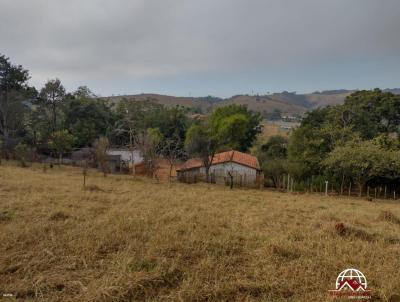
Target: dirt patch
59	216
346	231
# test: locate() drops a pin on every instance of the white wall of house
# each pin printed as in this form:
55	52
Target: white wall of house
224	168
127	155
241	173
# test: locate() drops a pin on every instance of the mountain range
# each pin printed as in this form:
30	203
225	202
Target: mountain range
288	103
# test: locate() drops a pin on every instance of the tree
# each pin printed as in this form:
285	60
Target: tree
364	115
22	153
132	122
101	146
51	96
237	126
83	92
87	119
273	158
149	144
14	92
172	151
203	142
373	112
362	161
172	122
61	142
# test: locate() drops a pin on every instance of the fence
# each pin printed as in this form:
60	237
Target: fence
326	187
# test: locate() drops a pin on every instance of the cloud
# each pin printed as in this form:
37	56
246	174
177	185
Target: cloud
106	43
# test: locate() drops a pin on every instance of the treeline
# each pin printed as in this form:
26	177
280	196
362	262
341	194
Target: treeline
52	122
354	145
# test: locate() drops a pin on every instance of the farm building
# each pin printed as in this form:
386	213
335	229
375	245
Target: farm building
240	168
127	157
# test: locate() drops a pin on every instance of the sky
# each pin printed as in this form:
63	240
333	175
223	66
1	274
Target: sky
207	47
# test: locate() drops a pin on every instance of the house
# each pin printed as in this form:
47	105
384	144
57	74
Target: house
127	157
232	166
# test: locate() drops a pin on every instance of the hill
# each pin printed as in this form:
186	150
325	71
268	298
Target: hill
133	239
289	103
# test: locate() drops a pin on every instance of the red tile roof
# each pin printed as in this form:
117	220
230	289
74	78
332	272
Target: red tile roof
223	157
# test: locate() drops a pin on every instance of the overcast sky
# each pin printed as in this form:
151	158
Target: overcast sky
205	47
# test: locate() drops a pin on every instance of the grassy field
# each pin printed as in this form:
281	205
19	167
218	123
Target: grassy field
132	239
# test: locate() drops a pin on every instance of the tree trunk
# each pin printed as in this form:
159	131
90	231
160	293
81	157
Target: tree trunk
274	181
170	171
231	178
360	187
341	185
207	174
60	159
54	117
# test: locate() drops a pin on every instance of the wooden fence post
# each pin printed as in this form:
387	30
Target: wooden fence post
326	188
385	192
312	183
350	189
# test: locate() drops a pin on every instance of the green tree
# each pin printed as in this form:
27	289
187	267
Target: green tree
83	92
87	119
14	96
52	95
132	118
203	142
363	161
273	158
373	112
237	126
22	153
364	115
61	142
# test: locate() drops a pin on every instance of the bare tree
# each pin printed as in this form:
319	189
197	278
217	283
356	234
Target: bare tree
149	144
172	151
101	145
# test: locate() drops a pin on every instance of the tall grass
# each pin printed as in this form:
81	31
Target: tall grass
132	239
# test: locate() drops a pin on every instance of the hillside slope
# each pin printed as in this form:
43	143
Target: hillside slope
286	102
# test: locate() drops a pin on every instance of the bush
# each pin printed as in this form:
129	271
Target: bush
22	153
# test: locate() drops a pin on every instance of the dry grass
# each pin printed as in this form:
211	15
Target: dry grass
137	240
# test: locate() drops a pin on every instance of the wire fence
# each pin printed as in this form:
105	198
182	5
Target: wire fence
321	185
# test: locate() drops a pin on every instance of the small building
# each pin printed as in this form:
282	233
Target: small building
232	166
127	157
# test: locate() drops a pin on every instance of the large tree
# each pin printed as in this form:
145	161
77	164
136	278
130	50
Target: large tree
61	142
52	95
362	161
237	126
364	115
203	142
14	96
87	119
273	158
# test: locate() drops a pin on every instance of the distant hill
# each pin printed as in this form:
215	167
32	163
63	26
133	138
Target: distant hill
288	103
